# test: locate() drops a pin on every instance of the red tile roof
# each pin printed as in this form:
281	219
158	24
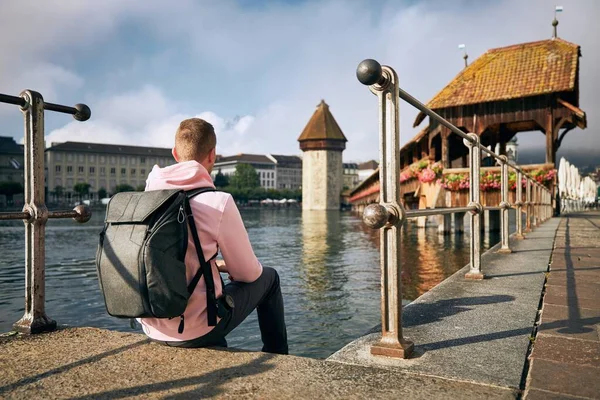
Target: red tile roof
511	72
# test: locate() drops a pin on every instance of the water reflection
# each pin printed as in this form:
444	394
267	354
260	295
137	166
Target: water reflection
328	263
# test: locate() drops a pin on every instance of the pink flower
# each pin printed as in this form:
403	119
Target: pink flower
427	175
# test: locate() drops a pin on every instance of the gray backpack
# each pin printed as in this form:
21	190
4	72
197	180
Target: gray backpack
141	254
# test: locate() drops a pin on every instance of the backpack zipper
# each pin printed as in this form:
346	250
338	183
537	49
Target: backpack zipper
181	215
181	325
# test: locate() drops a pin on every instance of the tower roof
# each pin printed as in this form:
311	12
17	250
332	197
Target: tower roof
322	126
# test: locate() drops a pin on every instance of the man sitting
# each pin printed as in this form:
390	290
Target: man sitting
220	228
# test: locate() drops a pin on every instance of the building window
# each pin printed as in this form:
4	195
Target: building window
92	158
132	160
69	169
80	170
113	171
81	158
142	160
58	181
69	157
92	170
123	171
143	171
113	159
58	157
132	171
57	168
102	171
69	183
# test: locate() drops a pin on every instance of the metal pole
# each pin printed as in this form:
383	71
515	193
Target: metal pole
519	204
528	204
474	201
504	206
34	320
389	214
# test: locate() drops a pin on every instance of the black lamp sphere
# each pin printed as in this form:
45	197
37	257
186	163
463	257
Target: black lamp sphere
83	112
368	72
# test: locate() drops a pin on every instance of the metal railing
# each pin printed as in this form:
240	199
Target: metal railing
389	215
35	214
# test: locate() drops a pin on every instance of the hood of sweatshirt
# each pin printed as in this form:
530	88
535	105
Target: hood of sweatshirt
184	175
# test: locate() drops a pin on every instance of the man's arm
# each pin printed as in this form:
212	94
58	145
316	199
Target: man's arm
242	264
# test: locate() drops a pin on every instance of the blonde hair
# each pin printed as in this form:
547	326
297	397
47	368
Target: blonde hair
194	140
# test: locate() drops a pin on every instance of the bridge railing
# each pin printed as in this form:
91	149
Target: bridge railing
389	215
35	214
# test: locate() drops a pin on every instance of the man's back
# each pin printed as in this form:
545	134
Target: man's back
220	228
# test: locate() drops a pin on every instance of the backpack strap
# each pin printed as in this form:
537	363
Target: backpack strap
205	269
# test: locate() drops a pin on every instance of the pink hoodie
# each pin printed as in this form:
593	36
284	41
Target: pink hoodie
220	228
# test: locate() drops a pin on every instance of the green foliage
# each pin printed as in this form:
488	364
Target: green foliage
81	189
124	188
140	188
221	180
245	177
59	191
102	193
9	189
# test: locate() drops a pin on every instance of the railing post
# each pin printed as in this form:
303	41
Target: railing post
388	215
528	204
536	214
504	206
519	204
34	320
475	201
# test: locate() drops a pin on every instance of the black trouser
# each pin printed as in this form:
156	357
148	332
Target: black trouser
264	294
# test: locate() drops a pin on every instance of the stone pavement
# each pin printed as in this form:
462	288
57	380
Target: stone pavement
477	331
565	362
472	340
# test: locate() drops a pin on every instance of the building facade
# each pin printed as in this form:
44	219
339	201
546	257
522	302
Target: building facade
102	166
322	142
366	169
11	160
288	171
274	171
350	172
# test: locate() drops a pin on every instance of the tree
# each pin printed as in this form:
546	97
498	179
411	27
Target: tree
82	188
140	188
124	188
245	177
59	192
102	193
9	189
221	180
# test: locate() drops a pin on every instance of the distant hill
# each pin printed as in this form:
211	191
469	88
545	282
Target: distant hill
585	159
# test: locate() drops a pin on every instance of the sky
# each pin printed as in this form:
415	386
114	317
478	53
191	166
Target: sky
257	69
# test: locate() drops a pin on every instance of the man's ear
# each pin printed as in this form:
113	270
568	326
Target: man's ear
212	155
174	152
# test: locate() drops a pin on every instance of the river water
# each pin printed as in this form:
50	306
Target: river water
328	263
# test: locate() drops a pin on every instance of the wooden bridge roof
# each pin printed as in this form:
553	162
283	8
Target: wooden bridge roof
517	71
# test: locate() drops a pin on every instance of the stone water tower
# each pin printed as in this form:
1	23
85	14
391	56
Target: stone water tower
322	142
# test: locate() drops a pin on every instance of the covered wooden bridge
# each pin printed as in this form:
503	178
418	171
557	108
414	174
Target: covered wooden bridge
520	88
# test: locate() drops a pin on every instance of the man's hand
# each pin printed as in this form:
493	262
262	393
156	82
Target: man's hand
221	266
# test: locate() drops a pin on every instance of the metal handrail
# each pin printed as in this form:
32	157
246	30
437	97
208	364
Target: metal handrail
34	213
389	215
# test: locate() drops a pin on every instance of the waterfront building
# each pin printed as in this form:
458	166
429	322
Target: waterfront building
350	174
11	160
366	169
102	166
274	171
322	142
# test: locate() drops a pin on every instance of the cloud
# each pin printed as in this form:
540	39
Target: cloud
257	73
